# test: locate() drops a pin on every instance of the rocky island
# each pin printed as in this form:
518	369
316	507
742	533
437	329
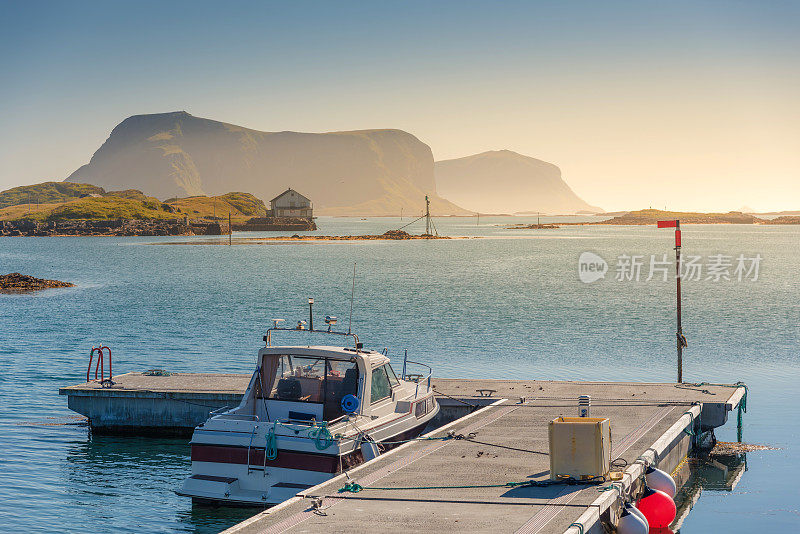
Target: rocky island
390	235
532	227
651	216
16	283
72	209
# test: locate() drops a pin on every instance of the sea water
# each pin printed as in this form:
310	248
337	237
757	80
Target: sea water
501	304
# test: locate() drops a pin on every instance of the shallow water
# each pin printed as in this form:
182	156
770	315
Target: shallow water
508	305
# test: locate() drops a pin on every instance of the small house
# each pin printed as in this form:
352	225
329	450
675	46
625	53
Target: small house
290	203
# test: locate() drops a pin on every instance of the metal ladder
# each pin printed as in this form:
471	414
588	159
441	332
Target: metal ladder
251	467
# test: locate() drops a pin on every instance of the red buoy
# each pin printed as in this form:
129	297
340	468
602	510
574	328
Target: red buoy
657	507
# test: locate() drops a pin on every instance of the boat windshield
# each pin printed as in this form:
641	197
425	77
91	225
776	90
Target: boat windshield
311	379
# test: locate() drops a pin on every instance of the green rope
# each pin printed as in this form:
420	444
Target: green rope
578	525
354	487
689	429
742	404
322	436
271	449
742	409
696	436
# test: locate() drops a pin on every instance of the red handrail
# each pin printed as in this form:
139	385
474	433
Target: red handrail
91	356
99	366
109	363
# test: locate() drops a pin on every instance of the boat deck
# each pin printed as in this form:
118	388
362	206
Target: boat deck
510	444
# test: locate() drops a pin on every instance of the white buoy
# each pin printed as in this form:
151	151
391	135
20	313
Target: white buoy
660	480
630	523
635	511
369	449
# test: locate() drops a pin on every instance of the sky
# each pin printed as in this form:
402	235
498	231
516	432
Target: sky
677	105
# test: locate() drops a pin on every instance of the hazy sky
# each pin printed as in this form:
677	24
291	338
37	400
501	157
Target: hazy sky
684	105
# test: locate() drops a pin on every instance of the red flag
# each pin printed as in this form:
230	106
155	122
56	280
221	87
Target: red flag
667	224
677	238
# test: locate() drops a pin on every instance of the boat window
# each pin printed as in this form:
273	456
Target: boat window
299	378
310	379
342	380
380	385
392	377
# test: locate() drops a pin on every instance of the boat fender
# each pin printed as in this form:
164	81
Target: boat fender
660	480
635	511
369	449
630	523
350	404
657	507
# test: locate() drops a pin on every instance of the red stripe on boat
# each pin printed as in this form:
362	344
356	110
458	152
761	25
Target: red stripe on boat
323	463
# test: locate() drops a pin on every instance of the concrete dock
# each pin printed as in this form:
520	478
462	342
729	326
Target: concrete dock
654	422
154	402
505	426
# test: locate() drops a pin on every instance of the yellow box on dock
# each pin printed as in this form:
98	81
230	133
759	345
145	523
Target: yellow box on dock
580	447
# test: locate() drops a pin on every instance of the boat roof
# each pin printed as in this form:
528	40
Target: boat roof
371	357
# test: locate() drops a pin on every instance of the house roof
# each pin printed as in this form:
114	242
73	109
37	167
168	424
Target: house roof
290	190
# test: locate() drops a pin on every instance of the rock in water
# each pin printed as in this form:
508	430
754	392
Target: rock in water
16	282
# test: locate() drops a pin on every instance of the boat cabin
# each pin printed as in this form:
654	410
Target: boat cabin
307	384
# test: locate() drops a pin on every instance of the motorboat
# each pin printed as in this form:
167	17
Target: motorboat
308	414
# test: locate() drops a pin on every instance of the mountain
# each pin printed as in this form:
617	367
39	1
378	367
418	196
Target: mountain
503	181
364	172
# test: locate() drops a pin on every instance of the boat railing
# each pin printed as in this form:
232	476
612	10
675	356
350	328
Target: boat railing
419	378
301	328
222	412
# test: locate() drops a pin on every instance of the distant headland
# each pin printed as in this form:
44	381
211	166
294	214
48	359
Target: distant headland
375	172
651	216
65	208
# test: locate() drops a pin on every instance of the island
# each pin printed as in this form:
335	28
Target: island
16	283
390	235
72	209
651	217
532	227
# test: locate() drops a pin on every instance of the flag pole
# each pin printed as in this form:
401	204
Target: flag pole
680	338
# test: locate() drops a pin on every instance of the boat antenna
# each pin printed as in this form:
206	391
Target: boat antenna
352	295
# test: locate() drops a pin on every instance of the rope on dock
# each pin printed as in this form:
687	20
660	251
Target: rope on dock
354	487
473	406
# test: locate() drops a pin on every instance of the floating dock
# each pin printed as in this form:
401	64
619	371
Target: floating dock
468	484
154	402
503	426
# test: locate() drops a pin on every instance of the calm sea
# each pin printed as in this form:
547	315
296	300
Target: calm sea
508	305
